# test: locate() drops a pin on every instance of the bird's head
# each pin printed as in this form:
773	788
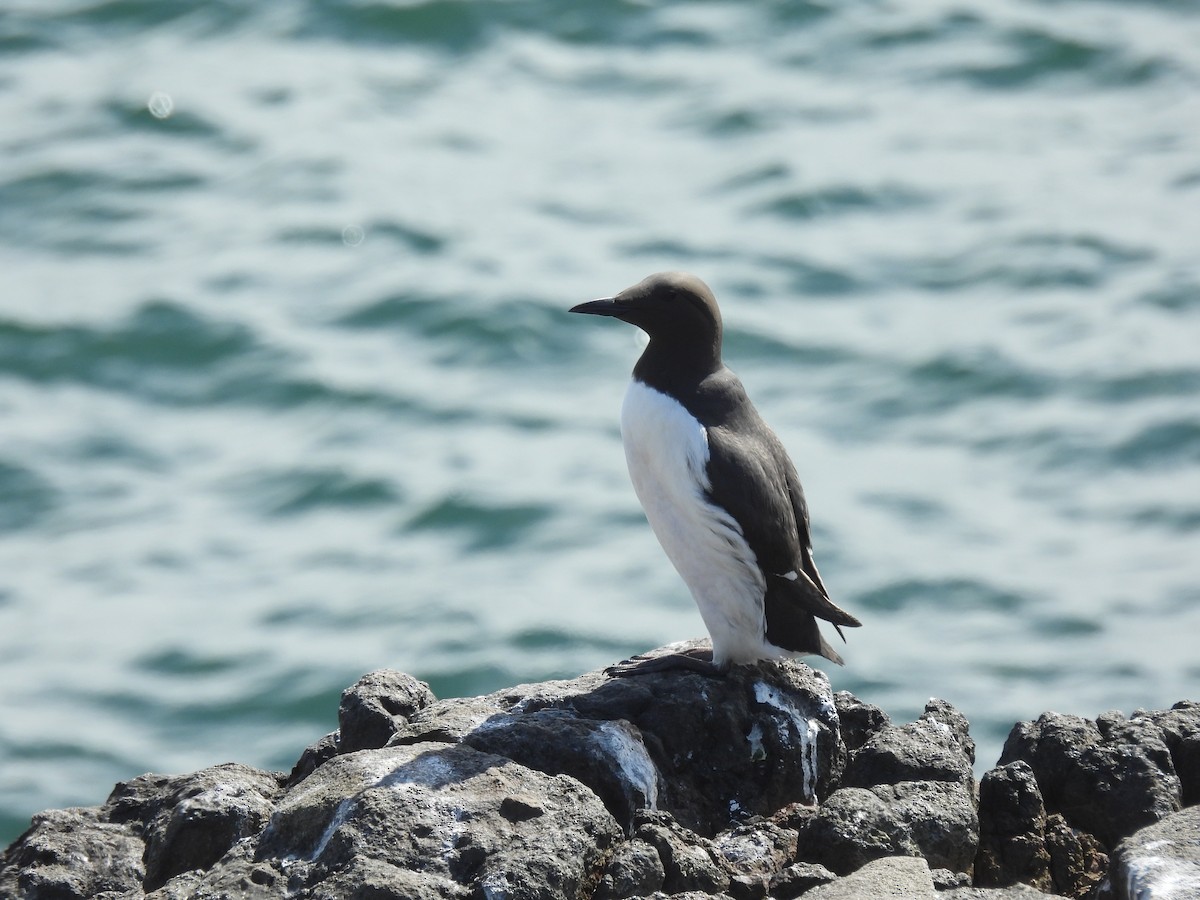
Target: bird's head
671	307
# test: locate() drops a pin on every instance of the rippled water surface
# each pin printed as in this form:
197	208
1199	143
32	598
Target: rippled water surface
288	391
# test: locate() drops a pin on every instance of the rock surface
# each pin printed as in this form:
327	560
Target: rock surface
1068	790
1160	861
898	877
762	783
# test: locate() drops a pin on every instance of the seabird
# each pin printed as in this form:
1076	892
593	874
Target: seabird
717	485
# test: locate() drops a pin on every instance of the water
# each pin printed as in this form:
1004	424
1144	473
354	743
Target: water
288	391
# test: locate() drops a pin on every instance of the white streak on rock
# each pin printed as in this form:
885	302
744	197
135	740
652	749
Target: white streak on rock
1161	878
496	886
426	770
633	758
339	819
807	730
755	739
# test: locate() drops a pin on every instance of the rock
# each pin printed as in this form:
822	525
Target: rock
1180	730
374	879
727	748
945	879
1159	861
798	878
1108	777
854	827
634	870
936	747
923	773
1020	843
1012	829
1077	859
689	862
375	706
314	756
795	816
610	757
860	720
671	784
237	875
755	855
892	878
769	735
1015	892
940	818
449	721
70	854
451	812
190	821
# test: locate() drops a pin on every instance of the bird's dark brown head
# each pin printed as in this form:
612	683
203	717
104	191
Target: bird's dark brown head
677	310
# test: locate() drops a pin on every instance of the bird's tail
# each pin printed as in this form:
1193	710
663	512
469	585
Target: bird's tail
805	593
792	626
829	653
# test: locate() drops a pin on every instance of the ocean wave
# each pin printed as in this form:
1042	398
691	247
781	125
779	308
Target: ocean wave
26	497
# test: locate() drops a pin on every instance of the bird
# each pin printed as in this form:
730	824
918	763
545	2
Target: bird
717	486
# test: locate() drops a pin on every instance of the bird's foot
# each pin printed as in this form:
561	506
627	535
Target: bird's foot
697	659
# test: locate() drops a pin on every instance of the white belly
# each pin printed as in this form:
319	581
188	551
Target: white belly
667	452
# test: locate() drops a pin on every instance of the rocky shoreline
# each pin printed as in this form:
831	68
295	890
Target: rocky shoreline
760	784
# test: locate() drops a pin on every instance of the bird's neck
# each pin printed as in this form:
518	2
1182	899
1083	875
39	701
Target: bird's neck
675	367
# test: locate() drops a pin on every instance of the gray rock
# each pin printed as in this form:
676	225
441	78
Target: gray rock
936	747
940	818
236	875
608	756
796	816
892	878
1012	829
798	878
314	756
1078	860
375	879
860	720
1019	843
1015	892
1108	777
921	775
755	855
374	707
722	750
737	787
945	879
191	821
727	748
689	861
449	812
69	854
1161	861
448	721
852	828
634	870
1180	730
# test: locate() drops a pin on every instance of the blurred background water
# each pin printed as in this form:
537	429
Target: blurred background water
288	391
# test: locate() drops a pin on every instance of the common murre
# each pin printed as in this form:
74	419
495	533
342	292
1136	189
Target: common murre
717	486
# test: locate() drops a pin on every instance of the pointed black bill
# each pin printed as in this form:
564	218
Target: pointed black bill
605	306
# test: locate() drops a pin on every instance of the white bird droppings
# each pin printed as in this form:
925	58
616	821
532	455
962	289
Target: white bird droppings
1161	878
633	758
807	730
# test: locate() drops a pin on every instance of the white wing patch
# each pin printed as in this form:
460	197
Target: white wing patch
667	452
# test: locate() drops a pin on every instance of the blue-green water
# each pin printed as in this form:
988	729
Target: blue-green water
288	391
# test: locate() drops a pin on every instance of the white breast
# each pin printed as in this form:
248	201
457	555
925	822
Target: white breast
667	452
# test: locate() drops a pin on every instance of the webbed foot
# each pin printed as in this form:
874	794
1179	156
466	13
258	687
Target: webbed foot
695	659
